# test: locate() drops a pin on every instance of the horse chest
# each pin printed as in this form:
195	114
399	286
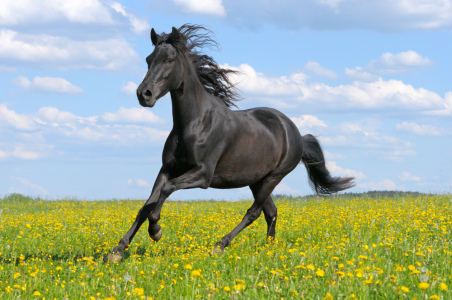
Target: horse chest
179	155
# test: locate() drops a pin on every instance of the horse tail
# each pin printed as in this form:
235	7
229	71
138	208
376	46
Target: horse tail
319	176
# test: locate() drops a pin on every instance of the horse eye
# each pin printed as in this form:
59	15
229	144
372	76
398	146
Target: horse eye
170	60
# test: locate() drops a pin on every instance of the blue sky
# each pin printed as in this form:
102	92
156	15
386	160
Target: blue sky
371	79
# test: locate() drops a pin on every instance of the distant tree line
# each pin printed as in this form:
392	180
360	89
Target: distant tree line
370	194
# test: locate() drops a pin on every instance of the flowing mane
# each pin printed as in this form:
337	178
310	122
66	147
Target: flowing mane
214	78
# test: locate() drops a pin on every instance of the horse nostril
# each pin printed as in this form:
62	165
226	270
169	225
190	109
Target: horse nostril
148	93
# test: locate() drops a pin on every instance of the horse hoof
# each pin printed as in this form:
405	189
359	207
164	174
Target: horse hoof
114	257
156	237
217	250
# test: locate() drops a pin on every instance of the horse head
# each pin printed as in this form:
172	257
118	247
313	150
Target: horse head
164	68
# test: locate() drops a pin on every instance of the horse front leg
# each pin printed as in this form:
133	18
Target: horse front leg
151	203
163	188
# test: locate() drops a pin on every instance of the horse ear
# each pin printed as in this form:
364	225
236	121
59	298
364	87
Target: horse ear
153	37
175	35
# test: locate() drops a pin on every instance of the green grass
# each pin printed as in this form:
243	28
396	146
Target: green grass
335	248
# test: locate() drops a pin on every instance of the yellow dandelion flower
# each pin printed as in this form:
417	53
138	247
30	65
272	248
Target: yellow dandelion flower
404	289
424	285
227	289
188	266
196	273
310	267
36	293
138	291
443	286
328	296
320	273
434	297
16	275
340	274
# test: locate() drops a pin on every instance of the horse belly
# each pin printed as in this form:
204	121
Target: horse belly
244	168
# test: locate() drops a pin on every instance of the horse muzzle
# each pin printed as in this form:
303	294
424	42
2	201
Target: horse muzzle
146	98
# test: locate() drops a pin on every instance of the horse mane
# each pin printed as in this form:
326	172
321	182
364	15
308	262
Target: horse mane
213	77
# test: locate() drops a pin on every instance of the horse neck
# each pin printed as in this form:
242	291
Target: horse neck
189	102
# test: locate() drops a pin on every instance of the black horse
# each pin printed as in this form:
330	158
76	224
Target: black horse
211	145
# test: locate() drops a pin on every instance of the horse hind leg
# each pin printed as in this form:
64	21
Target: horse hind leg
261	192
271	216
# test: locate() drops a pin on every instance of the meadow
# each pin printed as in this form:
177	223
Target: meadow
325	248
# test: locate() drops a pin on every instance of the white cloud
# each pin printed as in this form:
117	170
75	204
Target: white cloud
20	153
308	122
316	69
18	121
131	115
329	3
78	11
380	94
445	109
398	63
330	156
46	132
425	130
209	7
282	188
398	15
138	25
47	85
385	184
359	74
398	155
406	176
89	129
64	53
336	170
359	136
286	91
66	12
256	83
53	114
138	182
27	187
129	88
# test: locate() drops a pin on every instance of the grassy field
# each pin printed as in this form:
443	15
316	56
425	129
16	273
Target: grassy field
334	248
